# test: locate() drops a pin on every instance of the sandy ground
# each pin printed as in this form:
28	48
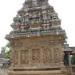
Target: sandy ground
3	71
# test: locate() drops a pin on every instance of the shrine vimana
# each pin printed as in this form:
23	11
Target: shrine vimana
38	43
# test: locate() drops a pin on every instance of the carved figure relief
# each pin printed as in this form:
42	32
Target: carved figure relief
24	57
36	56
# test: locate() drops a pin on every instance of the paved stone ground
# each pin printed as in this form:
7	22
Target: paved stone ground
3	71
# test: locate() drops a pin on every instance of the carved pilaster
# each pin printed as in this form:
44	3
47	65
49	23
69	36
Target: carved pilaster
15	57
19	60
51	56
30	56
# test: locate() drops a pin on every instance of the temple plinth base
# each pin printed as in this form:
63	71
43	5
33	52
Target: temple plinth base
54	72
41	71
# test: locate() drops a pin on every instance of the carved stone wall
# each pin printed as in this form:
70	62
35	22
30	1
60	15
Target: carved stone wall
44	50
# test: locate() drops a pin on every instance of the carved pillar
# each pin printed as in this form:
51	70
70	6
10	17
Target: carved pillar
69	59
70	65
15	57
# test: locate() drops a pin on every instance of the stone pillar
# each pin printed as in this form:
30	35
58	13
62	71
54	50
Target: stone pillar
70	65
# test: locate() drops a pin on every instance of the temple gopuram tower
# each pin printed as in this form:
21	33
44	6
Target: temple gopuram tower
37	40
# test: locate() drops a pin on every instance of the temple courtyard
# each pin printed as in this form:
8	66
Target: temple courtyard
3	71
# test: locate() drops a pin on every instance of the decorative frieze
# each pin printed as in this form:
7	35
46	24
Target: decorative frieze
39	55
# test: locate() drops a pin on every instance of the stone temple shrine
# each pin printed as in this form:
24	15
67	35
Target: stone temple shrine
38	43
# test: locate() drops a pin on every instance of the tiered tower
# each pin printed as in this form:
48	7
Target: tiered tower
37	40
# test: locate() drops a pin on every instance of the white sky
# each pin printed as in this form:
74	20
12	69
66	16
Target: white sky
64	8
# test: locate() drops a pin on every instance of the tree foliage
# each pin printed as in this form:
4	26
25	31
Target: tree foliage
6	51
73	59
8	54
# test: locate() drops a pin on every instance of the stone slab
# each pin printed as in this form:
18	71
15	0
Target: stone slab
53	72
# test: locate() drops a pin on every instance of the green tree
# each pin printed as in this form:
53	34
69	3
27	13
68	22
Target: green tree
6	51
8	54
73	59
